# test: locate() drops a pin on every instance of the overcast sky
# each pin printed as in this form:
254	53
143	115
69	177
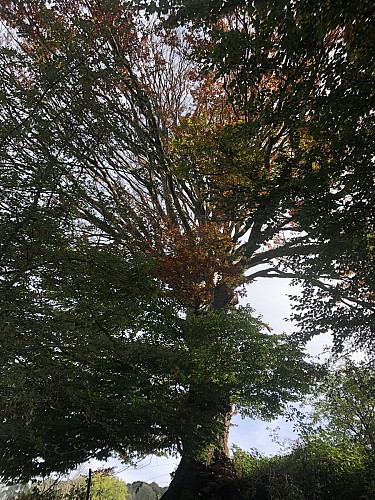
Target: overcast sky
269	298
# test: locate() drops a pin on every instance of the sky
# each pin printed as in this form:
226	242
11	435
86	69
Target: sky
268	297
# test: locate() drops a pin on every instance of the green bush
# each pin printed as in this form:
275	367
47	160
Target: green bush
316	470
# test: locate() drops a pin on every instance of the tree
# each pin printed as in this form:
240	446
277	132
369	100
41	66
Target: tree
107	487
345	404
127	153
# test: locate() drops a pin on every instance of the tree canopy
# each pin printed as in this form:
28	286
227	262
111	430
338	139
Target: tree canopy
154	160
298	79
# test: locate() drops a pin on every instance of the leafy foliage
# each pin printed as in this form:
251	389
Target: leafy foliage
105	486
121	378
269	148
315	470
299	79
345	404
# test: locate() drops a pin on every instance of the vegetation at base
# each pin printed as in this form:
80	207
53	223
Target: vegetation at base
334	458
316	470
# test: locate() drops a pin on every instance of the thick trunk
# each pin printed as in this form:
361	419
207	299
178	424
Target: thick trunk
214	479
195	480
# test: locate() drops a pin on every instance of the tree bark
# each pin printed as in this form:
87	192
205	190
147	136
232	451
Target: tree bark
193	479
214	479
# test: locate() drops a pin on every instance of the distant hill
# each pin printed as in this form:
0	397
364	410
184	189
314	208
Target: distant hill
140	490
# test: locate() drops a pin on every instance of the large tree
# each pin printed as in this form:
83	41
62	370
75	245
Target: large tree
148	172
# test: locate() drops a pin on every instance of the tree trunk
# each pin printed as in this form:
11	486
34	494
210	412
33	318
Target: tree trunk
215	480
196	480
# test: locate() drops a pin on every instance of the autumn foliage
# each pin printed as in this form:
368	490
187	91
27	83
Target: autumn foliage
193	263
